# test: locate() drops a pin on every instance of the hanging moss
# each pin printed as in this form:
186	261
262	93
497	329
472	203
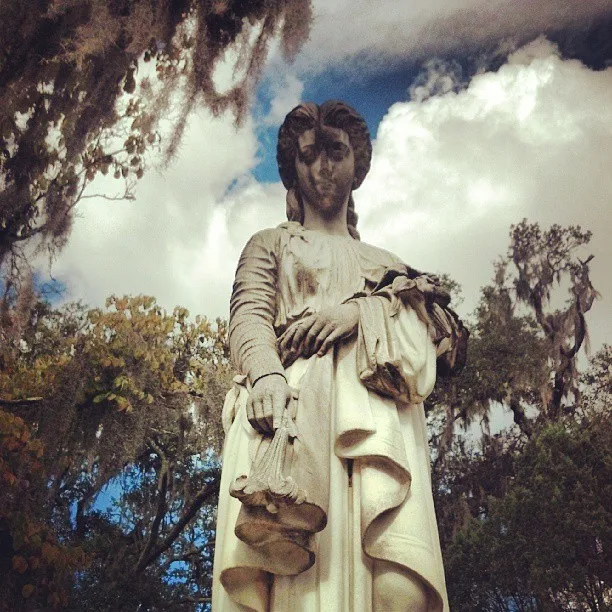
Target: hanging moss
72	104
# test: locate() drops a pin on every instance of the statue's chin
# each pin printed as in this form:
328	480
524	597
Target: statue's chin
329	204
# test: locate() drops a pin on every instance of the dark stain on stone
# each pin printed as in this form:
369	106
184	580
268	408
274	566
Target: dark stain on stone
306	281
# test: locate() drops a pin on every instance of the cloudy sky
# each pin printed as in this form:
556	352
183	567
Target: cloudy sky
483	112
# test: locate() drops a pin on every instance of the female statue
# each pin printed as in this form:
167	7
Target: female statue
326	455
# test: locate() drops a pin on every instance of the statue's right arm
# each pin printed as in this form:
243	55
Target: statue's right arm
251	332
252	309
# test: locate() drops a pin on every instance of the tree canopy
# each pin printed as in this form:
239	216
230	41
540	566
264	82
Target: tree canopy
85	84
122	402
110	433
524	512
537	522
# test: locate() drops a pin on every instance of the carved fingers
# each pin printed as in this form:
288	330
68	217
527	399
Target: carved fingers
291	340
317	333
342	322
265	412
267	402
330	340
320	329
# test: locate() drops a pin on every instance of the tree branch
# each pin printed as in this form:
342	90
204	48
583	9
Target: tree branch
80	509
520	418
186	518
20	403
117	198
162	489
27	235
584	296
193	552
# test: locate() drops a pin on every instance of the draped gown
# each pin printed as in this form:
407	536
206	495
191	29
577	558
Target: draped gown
361	403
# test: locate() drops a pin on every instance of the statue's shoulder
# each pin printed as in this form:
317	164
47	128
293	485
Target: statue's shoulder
274	237
288	228
267	238
378	255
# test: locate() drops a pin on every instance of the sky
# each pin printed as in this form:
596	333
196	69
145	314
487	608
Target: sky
483	112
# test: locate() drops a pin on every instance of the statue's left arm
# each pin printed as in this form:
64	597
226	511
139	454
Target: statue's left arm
407	331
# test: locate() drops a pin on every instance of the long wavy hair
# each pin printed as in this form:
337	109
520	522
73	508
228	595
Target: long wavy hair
307	116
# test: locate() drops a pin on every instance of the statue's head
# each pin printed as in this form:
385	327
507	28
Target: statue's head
310	116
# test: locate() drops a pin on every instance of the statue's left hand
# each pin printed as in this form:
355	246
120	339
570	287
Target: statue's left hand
317	333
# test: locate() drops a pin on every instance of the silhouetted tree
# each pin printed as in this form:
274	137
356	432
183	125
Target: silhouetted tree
71	106
524	513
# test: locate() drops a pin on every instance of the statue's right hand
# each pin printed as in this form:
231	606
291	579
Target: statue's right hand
267	402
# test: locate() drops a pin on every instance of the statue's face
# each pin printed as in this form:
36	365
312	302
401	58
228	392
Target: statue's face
325	167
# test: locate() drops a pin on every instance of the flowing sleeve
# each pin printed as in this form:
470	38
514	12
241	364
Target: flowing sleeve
253	307
407	335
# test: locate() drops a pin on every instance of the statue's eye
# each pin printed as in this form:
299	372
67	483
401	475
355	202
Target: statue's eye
338	151
307	154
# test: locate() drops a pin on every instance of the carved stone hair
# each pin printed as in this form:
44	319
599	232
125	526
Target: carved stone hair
305	117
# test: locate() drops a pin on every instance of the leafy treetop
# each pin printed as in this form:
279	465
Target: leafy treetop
71	107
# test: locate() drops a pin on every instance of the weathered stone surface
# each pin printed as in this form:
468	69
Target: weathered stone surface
326	497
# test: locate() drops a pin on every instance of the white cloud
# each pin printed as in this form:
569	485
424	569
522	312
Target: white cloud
285	91
162	244
354	33
450	174
439	77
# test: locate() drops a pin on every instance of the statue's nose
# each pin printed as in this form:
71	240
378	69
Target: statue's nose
324	163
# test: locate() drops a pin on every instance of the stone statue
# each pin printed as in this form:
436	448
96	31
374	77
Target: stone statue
326	500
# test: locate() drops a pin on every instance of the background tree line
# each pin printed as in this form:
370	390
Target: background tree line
525	514
110	426
110	434
110	438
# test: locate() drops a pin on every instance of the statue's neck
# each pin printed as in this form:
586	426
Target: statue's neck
333	223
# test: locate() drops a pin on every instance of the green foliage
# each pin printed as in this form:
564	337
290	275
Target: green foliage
124	400
522	352
545	261
596	384
72	106
36	567
544	545
524	514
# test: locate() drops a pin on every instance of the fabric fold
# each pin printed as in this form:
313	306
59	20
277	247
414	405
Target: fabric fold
359	403
394	353
395	526
283	543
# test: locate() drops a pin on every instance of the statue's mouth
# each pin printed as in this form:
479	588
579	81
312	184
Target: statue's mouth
326	185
